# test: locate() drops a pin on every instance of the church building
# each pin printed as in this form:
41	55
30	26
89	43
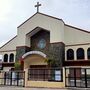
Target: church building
53	53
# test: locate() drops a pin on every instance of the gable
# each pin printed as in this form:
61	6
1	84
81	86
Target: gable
55	26
10	45
41	14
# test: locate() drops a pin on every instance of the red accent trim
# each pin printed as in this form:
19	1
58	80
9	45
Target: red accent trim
78	44
8	41
57	43
6	64
22	46
8	51
36	28
77	28
41	14
77	63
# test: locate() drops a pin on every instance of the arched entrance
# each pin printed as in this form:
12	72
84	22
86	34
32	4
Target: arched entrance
37	70
34	61
34	58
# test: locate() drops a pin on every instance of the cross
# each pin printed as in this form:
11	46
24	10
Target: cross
38	5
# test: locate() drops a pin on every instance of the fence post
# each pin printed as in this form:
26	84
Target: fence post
26	76
10	77
64	76
4	78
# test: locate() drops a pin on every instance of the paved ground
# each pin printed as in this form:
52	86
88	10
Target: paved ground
21	88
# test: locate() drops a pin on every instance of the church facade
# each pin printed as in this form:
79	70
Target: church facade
54	54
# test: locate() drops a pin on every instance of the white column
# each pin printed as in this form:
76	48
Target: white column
75	55
2	58
85	54
8	58
14	57
64	75
65	55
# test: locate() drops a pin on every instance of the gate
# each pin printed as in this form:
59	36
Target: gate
77	77
12	78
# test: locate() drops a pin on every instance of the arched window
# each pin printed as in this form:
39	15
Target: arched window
6	58
70	54
80	53
11	58
88	53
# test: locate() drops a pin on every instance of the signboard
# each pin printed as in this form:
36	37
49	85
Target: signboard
57	75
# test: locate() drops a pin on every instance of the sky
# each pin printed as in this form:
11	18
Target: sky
14	12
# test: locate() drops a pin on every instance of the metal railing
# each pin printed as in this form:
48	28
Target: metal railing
40	74
12	78
77	77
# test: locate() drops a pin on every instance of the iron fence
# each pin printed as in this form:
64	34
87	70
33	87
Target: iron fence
39	74
77	77
12	78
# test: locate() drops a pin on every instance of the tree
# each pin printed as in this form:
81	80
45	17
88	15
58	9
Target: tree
17	65
51	62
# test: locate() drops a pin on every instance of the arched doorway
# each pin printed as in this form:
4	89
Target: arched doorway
38	69
34	59
36	66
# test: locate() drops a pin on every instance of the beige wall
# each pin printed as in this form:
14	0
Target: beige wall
56	28
34	60
39	60
10	45
85	47
75	36
45	84
7	68
75	39
8	52
29	83
59	32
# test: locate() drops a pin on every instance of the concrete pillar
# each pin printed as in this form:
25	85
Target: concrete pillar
14	57
2	58
26	67
75	55
85	54
65	55
8	57
26	76
64	75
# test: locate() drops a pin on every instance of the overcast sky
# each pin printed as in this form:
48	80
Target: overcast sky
14	12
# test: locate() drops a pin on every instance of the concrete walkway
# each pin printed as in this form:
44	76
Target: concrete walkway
22	88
